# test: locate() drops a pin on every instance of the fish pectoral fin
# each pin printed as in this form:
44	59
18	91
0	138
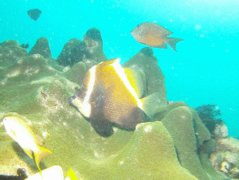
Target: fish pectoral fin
102	127
37	157
152	104
172	42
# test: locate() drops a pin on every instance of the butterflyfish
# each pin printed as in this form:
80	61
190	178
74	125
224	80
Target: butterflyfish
113	95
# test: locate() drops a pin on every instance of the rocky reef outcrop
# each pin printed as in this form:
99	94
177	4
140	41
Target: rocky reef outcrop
225	154
225	157
145	62
90	50
41	47
94	45
173	145
72	52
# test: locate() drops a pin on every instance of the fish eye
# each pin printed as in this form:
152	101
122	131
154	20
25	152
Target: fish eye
22	172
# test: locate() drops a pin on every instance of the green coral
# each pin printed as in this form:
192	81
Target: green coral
134	157
184	137
147	64
38	90
77	72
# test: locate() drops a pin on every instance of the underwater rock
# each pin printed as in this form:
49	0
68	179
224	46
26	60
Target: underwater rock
208	147
225	158
210	115
38	90
152	137
25	45
210	170
228	144
220	131
41	47
145	61
201	132
10	53
222	149
185	139
163	110
90	50
73	52
77	73
227	163
94	45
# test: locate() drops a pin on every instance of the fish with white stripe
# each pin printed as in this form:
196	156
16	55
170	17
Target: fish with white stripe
113	95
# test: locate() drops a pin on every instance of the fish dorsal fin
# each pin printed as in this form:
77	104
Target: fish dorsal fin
136	80
158	28
152	104
107	63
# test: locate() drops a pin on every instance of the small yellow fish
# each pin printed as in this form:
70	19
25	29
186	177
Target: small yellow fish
154	35
21	133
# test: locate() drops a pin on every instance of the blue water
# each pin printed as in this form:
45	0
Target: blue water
204	70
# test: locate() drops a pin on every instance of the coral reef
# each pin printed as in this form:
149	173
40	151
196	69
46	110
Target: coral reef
94	45
77	72
210	115
10	52
90	50
185	138
147	63
72	52
225	158
224	151
175	145
41	47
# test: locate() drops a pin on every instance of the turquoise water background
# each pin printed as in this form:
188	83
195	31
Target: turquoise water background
204	70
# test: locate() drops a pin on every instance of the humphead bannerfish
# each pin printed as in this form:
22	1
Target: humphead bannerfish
17	128
154	35
113	95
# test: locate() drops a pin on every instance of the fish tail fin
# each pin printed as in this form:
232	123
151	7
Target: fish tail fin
172	42
71	175
151	104
43	152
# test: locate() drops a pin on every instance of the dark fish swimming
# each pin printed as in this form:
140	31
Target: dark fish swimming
154	35
25	46
112	95
34	13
